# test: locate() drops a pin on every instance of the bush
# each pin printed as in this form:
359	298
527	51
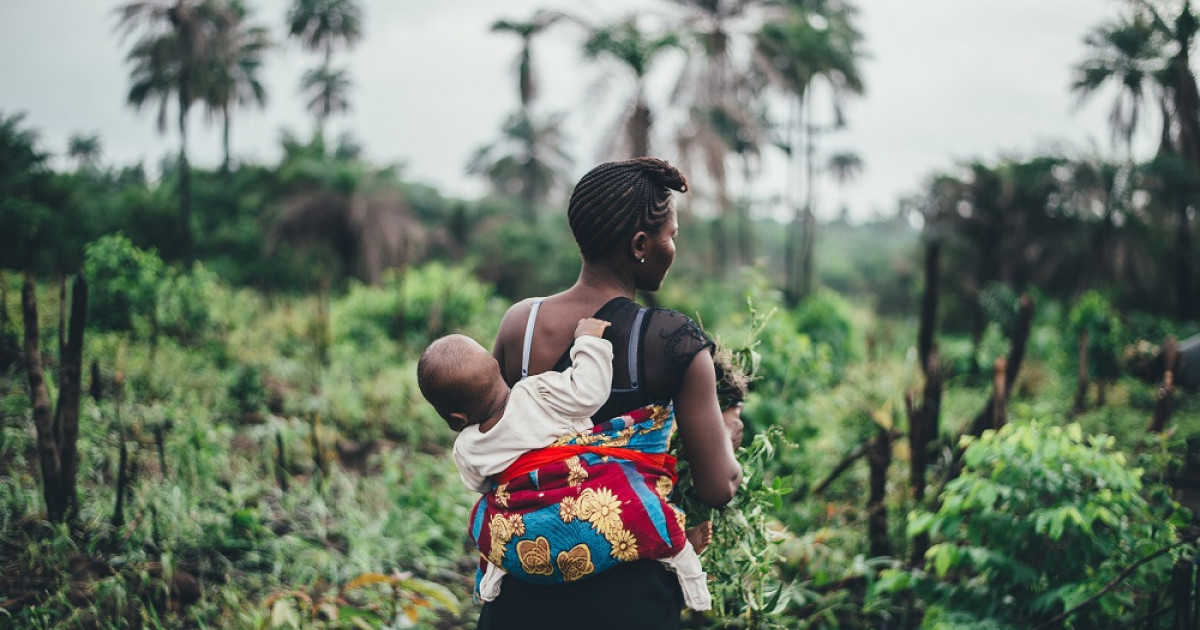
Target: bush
1094	316
416	306
825	317
1041	519
124	284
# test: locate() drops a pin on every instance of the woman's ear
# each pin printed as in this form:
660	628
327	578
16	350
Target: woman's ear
637	245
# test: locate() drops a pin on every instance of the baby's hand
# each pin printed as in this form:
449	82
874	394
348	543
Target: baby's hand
591	326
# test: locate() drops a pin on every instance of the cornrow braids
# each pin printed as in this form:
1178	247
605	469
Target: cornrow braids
617	199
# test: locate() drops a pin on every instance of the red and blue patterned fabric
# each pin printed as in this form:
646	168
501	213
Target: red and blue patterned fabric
585	504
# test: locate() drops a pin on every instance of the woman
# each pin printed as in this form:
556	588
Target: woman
624	220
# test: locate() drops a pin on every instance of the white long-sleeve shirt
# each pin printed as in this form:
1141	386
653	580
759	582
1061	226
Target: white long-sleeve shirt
540	409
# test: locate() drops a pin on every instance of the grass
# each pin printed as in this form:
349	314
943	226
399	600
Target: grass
362	515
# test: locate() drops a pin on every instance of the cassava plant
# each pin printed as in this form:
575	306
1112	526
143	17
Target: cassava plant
1042	521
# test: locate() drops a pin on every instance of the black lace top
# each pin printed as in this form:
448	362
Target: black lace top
669	342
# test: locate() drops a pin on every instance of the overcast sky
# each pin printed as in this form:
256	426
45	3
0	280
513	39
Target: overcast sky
947	80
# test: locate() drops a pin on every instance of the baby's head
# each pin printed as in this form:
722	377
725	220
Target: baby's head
461	380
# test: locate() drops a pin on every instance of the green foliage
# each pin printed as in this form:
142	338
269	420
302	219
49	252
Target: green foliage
124	283
1041	518
1094	316
414	307
742	561
826	318
184	309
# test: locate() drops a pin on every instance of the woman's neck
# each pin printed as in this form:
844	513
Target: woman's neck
605	280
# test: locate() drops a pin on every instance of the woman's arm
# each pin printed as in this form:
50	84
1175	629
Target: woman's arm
706	439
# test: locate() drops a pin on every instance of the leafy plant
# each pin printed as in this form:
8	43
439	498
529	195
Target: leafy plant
1042	518
124	284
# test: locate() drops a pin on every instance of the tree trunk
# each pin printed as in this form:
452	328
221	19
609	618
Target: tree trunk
43	421
1016	354
999	393
879	458
1183	265
185	188
226	123
929	302
1081	391
56	432
70	392
1162	405
810	219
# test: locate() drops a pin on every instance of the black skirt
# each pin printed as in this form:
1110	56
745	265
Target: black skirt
640	595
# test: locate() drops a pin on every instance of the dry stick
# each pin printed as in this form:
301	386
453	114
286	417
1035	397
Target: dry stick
1115	582
280	463
986	418
926	420
67	413
879	458
62	314
849	459
1081	393
1162	407
43	420
999	393
118	519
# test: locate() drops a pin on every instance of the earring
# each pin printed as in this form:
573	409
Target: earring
642	259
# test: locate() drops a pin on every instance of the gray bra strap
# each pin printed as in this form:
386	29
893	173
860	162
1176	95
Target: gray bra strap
533	311
634	335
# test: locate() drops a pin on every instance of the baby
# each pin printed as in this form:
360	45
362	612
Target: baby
497	424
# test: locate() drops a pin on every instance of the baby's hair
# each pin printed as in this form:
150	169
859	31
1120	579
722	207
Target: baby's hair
617	199
733	384
447	375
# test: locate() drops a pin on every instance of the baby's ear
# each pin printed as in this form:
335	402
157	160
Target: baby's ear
457	420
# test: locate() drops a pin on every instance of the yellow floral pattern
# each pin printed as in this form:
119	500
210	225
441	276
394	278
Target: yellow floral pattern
624	546
535	556
602	508
503	529
576	563
664	486
502	495
568	509
576	474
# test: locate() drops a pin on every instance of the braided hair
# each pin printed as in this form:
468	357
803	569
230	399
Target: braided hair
615	200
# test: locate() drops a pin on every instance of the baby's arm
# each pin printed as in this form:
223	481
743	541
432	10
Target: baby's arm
469	475
583	388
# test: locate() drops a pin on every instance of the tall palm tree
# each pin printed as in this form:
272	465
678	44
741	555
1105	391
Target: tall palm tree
635	52
327	90
530	160
169	59
233	76
322	25
1123	53
526	77
817	40
85	150
1155	42
845	167
713	89
345	209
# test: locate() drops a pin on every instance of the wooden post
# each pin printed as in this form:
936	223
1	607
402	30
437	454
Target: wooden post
879	458
999	393
280	463
1081	392
58	431
43	420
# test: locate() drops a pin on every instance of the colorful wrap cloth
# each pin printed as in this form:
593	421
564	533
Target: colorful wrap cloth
584	504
